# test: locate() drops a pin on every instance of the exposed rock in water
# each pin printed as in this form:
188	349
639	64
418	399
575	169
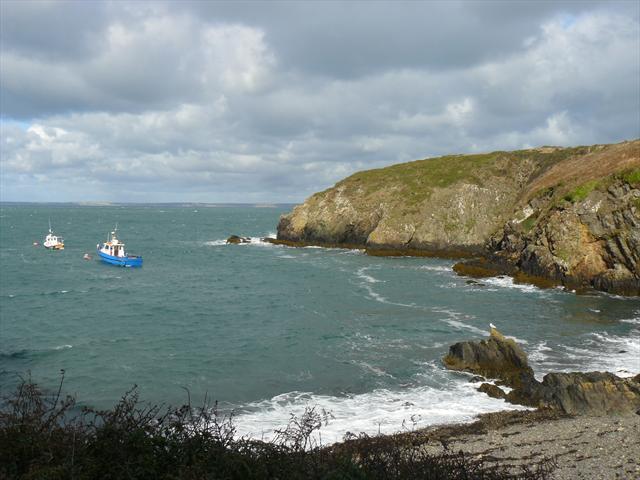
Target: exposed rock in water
549	216
493	358
235	239
492	390
571	393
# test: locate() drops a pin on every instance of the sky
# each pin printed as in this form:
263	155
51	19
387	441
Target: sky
198	101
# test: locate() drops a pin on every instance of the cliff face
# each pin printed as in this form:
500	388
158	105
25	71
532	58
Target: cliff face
594	241
568	214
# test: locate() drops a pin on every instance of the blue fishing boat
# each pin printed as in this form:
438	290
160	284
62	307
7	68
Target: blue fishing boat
112	251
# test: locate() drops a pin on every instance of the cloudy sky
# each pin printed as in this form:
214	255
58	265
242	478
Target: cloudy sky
271	101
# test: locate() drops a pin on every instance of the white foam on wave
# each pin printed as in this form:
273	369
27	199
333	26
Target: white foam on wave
252	241
62	347
507	282
360	273
621	354
454	319
436	268
599	351
539	353
377	371
634	320
463	326
379	298
380	411
216	243
367	281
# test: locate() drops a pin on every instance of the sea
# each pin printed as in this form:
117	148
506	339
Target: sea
268	331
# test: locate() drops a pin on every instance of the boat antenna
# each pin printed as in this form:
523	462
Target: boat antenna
50	225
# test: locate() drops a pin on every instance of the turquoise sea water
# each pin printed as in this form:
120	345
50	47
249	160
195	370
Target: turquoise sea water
267	330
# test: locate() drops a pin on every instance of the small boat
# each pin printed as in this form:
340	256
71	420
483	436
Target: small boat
112	251
86	256
53	242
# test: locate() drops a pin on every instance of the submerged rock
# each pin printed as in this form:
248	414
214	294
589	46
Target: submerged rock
571	393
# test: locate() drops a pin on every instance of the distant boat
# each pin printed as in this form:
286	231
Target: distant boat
112	251
53	242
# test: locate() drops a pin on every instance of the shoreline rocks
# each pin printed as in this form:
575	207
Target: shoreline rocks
570	393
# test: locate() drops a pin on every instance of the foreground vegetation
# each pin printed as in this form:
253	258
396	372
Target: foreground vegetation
46	436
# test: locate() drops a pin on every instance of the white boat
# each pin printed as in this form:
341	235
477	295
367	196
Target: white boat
53	242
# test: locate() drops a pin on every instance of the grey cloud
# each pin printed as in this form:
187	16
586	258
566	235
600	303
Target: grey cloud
213	102
350	39
53	30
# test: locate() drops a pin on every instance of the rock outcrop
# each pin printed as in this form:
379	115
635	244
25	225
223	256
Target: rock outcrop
571	393
497	357
235	240
566	215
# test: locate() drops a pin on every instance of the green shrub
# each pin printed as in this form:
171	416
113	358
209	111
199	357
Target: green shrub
44	437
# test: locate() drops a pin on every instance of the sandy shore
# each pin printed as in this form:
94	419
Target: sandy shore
605	447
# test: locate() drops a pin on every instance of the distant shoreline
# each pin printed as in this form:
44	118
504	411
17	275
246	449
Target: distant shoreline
149	204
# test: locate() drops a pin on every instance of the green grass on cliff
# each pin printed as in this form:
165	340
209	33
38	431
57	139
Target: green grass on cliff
581	192
632	176
415	181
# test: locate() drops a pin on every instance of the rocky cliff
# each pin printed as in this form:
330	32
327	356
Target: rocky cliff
571	215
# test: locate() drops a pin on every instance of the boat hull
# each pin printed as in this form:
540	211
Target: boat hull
128	261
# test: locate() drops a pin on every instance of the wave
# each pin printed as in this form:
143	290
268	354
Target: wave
217	243
31	353
598	351
634	320
380	411
454	319
507	282
436	268
366	282
367	278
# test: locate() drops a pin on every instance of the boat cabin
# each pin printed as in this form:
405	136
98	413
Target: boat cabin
114	247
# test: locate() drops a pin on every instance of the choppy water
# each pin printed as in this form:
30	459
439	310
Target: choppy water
267	330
